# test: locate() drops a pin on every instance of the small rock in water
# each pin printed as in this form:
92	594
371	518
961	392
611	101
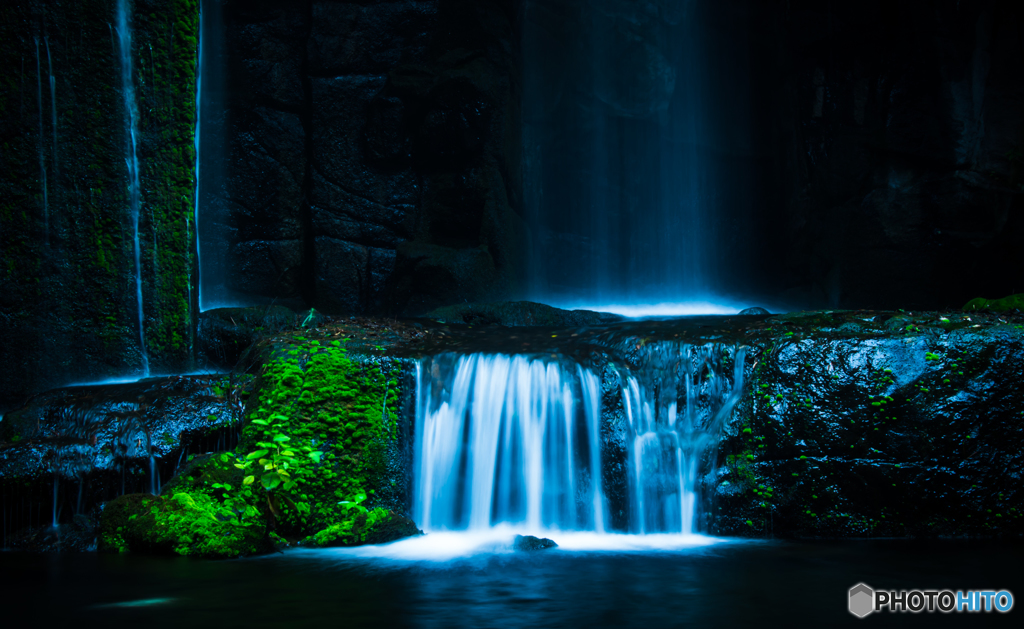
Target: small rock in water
756	310
529	542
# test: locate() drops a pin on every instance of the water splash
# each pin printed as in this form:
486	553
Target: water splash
132	160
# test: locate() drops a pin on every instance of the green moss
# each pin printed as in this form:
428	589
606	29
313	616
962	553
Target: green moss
1013	302
191	523
321	426
348	532
344	408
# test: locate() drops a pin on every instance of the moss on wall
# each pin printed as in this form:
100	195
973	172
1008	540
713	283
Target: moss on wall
66	246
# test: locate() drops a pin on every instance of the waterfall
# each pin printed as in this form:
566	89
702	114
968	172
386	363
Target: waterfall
667	440
131	110
53	106
195	206
506	439
42	158
518	440
638	149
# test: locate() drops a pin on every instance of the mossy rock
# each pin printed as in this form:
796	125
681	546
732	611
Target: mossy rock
1006	304
378	526
202	472
190	524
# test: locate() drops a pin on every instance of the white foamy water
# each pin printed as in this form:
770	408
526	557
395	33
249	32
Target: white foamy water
451	545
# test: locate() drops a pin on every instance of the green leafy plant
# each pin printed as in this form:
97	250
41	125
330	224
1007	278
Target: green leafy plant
277	463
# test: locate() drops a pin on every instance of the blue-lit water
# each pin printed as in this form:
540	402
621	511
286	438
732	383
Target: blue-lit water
732	584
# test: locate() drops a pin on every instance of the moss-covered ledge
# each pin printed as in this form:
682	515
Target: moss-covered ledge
321	462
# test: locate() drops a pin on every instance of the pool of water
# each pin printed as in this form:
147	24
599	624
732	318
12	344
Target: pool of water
483	583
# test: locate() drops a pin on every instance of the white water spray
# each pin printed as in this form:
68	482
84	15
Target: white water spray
132	160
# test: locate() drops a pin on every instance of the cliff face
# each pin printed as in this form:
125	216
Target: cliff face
70	280
370	155
899	135
842	154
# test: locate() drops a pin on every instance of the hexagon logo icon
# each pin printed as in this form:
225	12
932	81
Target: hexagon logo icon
862	599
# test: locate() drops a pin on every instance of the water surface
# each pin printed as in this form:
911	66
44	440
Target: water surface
724	584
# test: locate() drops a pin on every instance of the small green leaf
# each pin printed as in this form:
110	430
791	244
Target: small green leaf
270	481
257	454
248	480
280	438
260	422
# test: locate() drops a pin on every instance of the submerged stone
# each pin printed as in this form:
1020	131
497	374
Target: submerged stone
529	542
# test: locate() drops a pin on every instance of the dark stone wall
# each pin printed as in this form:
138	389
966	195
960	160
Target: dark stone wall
899	128
370	155
68	307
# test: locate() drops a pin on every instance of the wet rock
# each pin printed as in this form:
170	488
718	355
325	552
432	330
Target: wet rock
223	334
853	427
755	310
529	542
73	448
518	313
79	536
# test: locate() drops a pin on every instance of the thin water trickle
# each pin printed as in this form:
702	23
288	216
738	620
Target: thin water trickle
55	514
197	139
132	161
42	157
53	107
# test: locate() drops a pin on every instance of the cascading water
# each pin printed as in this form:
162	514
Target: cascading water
505	439
124	35
675	408
517	440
